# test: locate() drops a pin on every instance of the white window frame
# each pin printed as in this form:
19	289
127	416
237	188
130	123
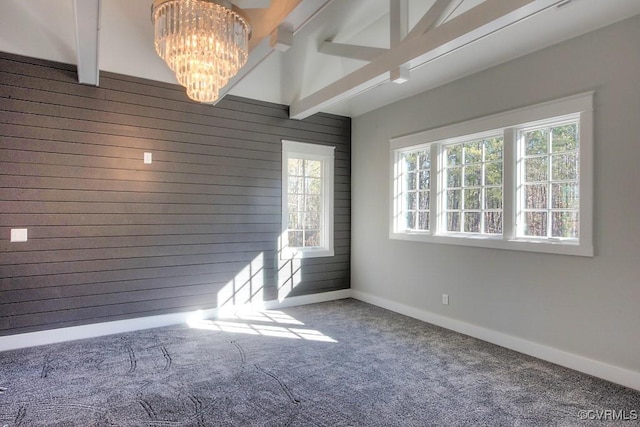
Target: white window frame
508	123
442	185
325	154
520	171
398	170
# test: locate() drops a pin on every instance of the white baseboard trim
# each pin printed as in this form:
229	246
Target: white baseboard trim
598	369
32	339
592	367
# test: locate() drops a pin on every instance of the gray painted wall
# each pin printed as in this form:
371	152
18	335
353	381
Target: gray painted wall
113	238
586	306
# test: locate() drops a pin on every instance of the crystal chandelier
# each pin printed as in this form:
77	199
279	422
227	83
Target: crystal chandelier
204	42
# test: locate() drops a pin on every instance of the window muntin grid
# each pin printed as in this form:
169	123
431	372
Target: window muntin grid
549	187
473	186
304	203
416	184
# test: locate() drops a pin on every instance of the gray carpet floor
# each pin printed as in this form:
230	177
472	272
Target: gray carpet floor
342	363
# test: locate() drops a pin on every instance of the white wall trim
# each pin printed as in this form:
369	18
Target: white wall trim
326	155
33	339
592	367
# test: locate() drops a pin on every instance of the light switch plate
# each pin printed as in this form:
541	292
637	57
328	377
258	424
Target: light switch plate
18	234
148	158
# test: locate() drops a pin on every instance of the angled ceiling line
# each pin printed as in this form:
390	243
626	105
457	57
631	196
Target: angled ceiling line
295	19
474	24
398	31
448	52
438	13
87	22
301	17
351	51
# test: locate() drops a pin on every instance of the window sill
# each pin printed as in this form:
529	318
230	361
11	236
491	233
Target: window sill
291	253
560	247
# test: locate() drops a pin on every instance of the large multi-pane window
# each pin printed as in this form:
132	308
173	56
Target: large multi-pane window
307	195
524	185
473	186
549	173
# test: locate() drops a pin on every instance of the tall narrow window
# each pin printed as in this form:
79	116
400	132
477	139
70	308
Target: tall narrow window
473	186
307	200
549	174
414	180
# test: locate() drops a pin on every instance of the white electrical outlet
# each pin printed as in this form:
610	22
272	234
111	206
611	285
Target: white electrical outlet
445	299
148	158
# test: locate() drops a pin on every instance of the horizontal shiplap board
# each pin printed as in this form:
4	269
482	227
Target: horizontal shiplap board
54	195
177	145
54	268
67	255
20	151
66	243
87	313
21	88
136	173
75	230
113	276
93	283
36	296
76	207
226	126
141	244
62	268
65	183
112	238
176	233
18	125
23	220
166	140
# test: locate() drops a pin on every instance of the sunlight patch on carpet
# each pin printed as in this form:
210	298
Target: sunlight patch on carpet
260	323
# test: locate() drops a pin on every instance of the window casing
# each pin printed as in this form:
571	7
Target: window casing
307	200
518	180
413	193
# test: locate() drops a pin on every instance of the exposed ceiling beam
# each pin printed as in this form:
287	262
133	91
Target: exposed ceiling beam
265	21
481	21
398	21
282	38
362	53
87	14
435	15
398	28
291	15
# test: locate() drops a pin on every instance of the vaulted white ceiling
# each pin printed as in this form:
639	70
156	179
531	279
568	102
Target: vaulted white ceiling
466	36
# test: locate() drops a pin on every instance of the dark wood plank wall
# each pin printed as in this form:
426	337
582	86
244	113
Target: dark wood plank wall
112	238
